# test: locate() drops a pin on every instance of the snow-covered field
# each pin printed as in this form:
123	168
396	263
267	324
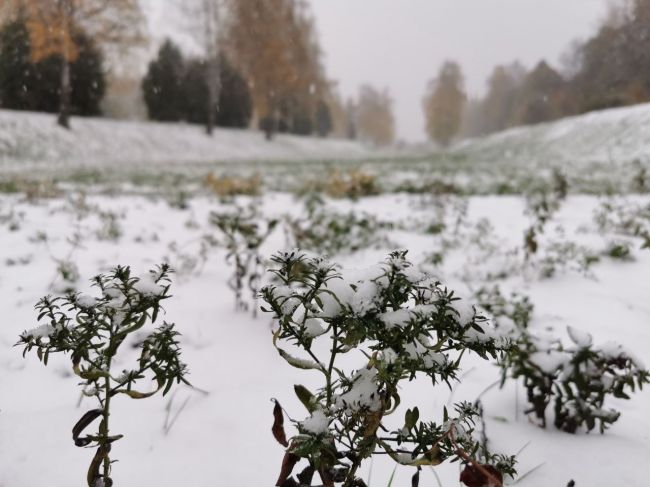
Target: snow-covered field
600	152
219	432
33	142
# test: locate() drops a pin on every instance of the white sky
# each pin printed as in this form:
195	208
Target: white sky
400	44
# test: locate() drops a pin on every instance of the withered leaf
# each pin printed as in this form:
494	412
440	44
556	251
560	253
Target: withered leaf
278	425
84	421
326	477
415	480
486	475
288	462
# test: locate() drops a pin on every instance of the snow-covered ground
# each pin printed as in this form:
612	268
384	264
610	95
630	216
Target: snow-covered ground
599	152
32	142
614	136
222	435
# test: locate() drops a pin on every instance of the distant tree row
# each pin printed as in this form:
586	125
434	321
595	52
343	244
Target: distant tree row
61	35
610	69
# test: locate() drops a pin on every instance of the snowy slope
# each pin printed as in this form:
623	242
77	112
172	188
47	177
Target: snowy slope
33	140
619	135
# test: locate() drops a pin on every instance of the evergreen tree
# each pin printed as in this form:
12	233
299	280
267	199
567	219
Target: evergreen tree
25	85
235	102
539	96
163	85
234	106
17	74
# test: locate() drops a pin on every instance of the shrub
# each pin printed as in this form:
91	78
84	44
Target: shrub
625	218
541	205
243	231
399	324
91	330
329	232
576	379
228	186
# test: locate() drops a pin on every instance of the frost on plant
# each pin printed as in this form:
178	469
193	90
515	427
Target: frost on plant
91	330
398	324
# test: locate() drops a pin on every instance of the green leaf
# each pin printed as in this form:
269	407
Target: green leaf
305	396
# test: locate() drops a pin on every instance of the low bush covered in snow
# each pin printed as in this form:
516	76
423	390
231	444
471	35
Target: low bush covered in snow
399	324
92	330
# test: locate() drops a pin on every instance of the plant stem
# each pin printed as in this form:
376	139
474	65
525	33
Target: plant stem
104	429
330	367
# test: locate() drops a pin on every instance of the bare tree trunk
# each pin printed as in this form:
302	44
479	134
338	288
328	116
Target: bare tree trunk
214	88
213	75
64	107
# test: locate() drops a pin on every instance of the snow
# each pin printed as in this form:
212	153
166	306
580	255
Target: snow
317	423
580	338
235	368
32	141
617	134
42	331
147	286
363	395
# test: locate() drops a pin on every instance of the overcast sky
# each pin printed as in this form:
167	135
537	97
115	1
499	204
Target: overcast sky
400	44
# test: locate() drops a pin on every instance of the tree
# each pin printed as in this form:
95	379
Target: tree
53	26
163	85
443	104
323	119
25	85
539	97
206	30
374	116
273	44
499	103
18	78
234	106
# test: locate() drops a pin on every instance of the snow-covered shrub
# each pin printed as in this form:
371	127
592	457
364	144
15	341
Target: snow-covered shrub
541	205
510	313
12	219
399	324
110	226
577	379
68	273
91	330
191	257
330	232
625	218
243	231
619	249
565	255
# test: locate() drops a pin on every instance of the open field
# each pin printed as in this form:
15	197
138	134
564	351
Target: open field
465	217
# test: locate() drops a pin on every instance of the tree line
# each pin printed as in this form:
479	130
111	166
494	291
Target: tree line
610	69
261	66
